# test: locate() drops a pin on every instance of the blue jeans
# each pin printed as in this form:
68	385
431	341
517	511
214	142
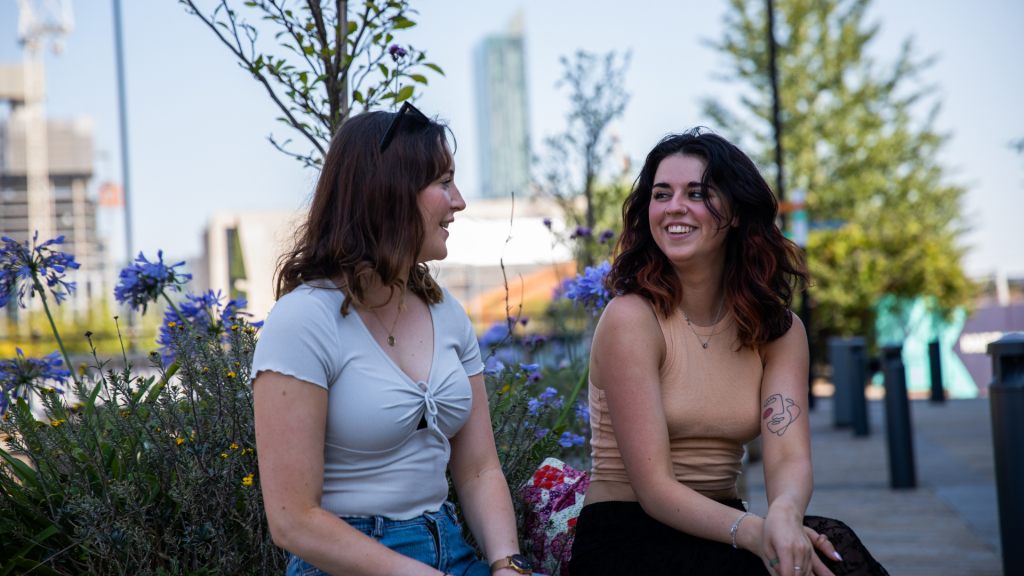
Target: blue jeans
435	538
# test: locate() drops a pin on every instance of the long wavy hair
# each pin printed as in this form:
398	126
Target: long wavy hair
364	219
762	267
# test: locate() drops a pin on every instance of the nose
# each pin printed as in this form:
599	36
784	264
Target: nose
676	205
457	202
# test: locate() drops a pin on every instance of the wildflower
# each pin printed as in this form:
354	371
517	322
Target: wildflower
496	367
495	334
524	321
126	414
172	324
581	232
529	367
19	374
7	416
582	411
397	52
504	390
179	441
237	364
247	481
249	450
206	313
548	397
534	377
143	282
234	446
589	289
606	236
23	269
568	440
223	455
547	223
535	341
206	368
230	375
541	432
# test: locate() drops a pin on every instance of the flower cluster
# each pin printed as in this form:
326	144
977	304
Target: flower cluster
397	52
143	282
582	411
606	236
22	265
569	440
549	397
495	334
20	373
581	232
205	313
589	288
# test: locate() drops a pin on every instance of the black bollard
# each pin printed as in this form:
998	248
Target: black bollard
935	362
849	372
1006	398
858	401
898	429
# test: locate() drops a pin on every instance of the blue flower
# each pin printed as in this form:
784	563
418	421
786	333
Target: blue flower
495	334
142	282
568	440
21	264
20	373
589	289
541	432
582	411
534	377
529	367
606	236
581	232
206	315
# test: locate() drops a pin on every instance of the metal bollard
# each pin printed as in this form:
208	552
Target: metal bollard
935	363
858	401
902	470
842	377
1006	398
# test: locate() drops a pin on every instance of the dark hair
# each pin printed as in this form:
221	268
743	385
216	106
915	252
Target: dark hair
364	218
762	267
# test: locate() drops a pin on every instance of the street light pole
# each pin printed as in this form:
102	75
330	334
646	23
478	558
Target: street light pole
122	100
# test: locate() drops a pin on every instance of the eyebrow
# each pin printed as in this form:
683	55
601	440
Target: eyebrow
688	185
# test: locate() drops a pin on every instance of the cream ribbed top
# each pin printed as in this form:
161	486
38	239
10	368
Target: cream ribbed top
711	397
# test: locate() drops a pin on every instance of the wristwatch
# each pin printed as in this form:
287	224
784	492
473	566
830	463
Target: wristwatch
517	562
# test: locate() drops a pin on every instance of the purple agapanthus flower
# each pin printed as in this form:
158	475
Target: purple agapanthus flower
19	374
568	440
22	263
143	282
581	232
589	288
495	334
397	52
205	313
606	236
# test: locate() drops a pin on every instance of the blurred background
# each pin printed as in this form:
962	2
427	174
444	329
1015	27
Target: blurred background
902	148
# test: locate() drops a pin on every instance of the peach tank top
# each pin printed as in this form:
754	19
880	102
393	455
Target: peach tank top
711	397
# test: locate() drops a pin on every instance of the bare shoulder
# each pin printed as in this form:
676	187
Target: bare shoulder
793	341
629	327
628	309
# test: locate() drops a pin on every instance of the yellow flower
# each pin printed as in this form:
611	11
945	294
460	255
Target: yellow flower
7	416
234	446
231	375
249	450
125	414
172	324
56	423
237	364
179	440
234	327
206	368
506	388
247	481
223	455
158	429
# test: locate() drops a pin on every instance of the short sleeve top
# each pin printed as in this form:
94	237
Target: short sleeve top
376	460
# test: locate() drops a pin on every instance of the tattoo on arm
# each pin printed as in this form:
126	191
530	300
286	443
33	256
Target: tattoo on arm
780	413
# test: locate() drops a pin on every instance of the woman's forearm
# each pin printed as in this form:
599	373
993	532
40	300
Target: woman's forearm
487	508
789	483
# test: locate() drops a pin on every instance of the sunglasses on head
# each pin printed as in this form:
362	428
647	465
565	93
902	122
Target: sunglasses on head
407	108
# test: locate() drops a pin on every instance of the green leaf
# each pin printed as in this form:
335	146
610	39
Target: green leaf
419	78
308	50
434	67
39	538
352	27
383	70
403	22
358	97
23	471
404	94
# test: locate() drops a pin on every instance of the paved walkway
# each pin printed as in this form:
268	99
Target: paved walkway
947	526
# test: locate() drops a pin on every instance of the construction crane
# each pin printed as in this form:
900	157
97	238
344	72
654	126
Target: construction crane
39	23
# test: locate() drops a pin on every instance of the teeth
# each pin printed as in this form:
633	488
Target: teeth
445	225
681	229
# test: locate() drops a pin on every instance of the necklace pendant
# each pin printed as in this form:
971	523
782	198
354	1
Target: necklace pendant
705	344
391	341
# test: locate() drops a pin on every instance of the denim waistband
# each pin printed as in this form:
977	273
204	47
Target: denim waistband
375	525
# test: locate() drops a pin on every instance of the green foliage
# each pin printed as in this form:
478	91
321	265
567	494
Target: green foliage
336	59
138	476
850	139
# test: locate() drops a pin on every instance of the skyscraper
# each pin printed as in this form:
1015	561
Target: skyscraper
502	114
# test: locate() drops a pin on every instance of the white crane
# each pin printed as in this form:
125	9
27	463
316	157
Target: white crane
39	22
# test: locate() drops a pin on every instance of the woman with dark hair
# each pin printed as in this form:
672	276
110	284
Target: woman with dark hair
367	377
695	357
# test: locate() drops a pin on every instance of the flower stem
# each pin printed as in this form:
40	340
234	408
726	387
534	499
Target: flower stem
180	315
572	399
53	326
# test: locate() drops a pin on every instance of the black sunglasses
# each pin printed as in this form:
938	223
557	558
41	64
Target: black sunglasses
407	108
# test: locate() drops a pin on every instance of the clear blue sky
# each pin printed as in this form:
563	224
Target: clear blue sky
198	123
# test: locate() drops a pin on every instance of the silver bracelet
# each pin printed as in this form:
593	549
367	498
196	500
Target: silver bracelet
736	526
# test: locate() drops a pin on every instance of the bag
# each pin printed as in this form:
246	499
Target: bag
554	498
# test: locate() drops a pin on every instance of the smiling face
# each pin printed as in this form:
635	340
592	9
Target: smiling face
681	224
438	203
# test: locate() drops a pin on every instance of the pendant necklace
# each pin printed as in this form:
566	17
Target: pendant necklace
702	342
391	338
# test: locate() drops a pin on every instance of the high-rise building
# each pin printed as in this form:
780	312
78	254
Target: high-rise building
502	114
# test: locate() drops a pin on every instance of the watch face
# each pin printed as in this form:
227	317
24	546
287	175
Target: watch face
520	563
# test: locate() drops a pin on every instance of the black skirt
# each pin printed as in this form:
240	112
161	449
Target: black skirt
619	538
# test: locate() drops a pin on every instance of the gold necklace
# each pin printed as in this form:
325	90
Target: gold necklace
702	342
391	338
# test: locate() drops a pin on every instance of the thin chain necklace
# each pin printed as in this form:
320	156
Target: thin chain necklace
391	338
702	342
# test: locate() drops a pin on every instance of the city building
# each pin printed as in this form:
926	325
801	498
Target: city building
503	114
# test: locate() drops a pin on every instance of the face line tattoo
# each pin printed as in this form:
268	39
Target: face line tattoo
780	413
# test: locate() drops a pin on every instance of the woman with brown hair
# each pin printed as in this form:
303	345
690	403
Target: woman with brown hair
367	377
696	356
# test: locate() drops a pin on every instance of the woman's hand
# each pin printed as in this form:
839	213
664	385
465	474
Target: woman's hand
784	537
753	535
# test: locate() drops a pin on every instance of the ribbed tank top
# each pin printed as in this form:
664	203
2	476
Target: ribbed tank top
711	398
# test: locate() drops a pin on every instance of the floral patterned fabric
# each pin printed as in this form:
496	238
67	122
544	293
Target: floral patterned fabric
554	497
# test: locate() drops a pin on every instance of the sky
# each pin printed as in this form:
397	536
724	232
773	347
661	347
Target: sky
198	124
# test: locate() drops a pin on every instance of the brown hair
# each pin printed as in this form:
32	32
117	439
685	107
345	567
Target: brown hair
364	217
762	267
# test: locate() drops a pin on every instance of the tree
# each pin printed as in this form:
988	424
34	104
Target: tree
852	142
339	60
576	157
